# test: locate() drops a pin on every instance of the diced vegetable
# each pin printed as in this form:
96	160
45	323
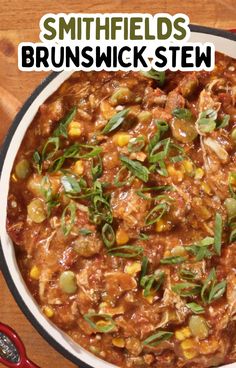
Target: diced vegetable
121	139
198	327
22	169
184	131
122	237
36	211
48	311
183	333
233	135
34	273
230	204
67	282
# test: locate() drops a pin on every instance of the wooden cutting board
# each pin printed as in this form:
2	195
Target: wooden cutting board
19	22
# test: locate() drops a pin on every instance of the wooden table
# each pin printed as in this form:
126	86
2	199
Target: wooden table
19	22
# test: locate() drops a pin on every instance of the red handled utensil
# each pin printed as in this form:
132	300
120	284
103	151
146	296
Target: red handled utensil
12	350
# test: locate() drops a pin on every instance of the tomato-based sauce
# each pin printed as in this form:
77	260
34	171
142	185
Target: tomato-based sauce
122	211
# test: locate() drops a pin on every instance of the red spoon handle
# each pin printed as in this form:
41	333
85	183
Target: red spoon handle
24	362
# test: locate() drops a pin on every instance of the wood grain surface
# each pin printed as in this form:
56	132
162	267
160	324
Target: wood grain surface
19	21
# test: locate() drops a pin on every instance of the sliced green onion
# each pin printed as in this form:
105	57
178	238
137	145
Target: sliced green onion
90	317
159	76
186	289
207	121
37	160
85	231
136	144
61	130
224	122
157	338
156	213
97	167
218	234
152	282
162	169
232	236
187	274
141	191
178	158
50	148
159	156
70	184
201	249
93	151
70	152
126	251
118	182
173	260
46	190
136	168
144	267
195	308
143	236
108	235
212	291
217	291
67	225
181	113
115	121
162	126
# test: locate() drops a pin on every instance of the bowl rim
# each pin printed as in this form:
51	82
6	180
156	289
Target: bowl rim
3	152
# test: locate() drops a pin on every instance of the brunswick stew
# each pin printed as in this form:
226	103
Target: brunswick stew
122	210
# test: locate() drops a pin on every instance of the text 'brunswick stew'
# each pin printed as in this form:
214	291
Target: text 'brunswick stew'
122	209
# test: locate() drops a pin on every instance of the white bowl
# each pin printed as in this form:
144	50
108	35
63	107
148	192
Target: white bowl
224	42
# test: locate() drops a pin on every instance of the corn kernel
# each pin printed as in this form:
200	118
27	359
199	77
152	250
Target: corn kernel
167	253
190	354
199	173
205	187
121	139
177	175
14	178
78	167
187	344
232	180
179	250
74	129
188	166
149	298
34	273
48	311
121	237
133	268
118	342
183	333
162	225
